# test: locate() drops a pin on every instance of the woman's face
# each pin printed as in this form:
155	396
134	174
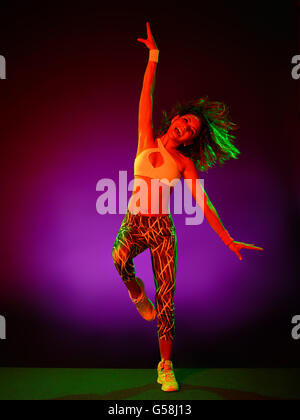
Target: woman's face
184	129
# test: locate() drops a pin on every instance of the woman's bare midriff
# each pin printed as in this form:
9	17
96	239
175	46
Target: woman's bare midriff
163	200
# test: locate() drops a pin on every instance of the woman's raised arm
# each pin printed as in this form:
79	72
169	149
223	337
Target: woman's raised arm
146	100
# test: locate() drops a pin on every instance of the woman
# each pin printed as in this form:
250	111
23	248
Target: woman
195	137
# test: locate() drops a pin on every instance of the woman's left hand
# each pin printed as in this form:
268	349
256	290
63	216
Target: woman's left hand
149	42
237	246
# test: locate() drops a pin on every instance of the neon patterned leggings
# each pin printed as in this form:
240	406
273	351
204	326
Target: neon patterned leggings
137	233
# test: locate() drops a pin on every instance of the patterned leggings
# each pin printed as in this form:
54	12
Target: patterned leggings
137	233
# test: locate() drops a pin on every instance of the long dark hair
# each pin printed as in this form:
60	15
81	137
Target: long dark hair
214	144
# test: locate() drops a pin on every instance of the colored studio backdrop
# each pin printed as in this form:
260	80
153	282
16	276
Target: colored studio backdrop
69	118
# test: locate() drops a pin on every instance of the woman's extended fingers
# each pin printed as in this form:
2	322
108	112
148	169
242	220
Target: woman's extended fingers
149	33
237	252
236	247
251	246
239	255
149	42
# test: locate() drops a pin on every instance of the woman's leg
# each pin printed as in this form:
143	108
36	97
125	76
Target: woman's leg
128	244
164	263
166	349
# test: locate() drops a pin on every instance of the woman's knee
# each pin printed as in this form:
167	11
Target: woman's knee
116	256
120	257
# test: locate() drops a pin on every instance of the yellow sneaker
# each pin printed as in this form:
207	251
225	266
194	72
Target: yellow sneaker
166	376
144	305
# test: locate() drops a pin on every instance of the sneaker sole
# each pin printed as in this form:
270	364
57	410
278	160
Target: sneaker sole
174	389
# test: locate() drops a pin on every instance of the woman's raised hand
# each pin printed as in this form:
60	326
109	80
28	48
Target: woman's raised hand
149	42
237	246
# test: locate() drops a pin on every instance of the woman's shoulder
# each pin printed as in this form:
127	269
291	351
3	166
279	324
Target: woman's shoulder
185	162
188	165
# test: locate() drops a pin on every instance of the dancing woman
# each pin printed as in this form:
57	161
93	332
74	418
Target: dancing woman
195	136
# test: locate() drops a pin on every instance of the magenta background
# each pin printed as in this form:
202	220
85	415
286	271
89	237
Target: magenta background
69	118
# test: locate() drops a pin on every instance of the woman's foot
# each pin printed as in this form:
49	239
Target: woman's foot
166	376
144	305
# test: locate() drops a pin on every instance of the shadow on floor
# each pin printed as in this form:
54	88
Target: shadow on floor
124	394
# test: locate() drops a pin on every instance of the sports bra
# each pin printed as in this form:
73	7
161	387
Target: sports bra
168	170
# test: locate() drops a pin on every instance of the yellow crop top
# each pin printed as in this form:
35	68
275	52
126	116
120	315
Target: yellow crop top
168	170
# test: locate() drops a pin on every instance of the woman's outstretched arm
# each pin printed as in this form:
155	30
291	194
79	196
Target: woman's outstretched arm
210	213
146	100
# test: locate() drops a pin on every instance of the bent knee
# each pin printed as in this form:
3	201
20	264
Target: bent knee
116	256
120	256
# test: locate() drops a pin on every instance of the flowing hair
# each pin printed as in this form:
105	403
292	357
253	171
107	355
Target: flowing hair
214	144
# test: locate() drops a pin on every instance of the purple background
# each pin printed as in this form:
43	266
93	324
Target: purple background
69	118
